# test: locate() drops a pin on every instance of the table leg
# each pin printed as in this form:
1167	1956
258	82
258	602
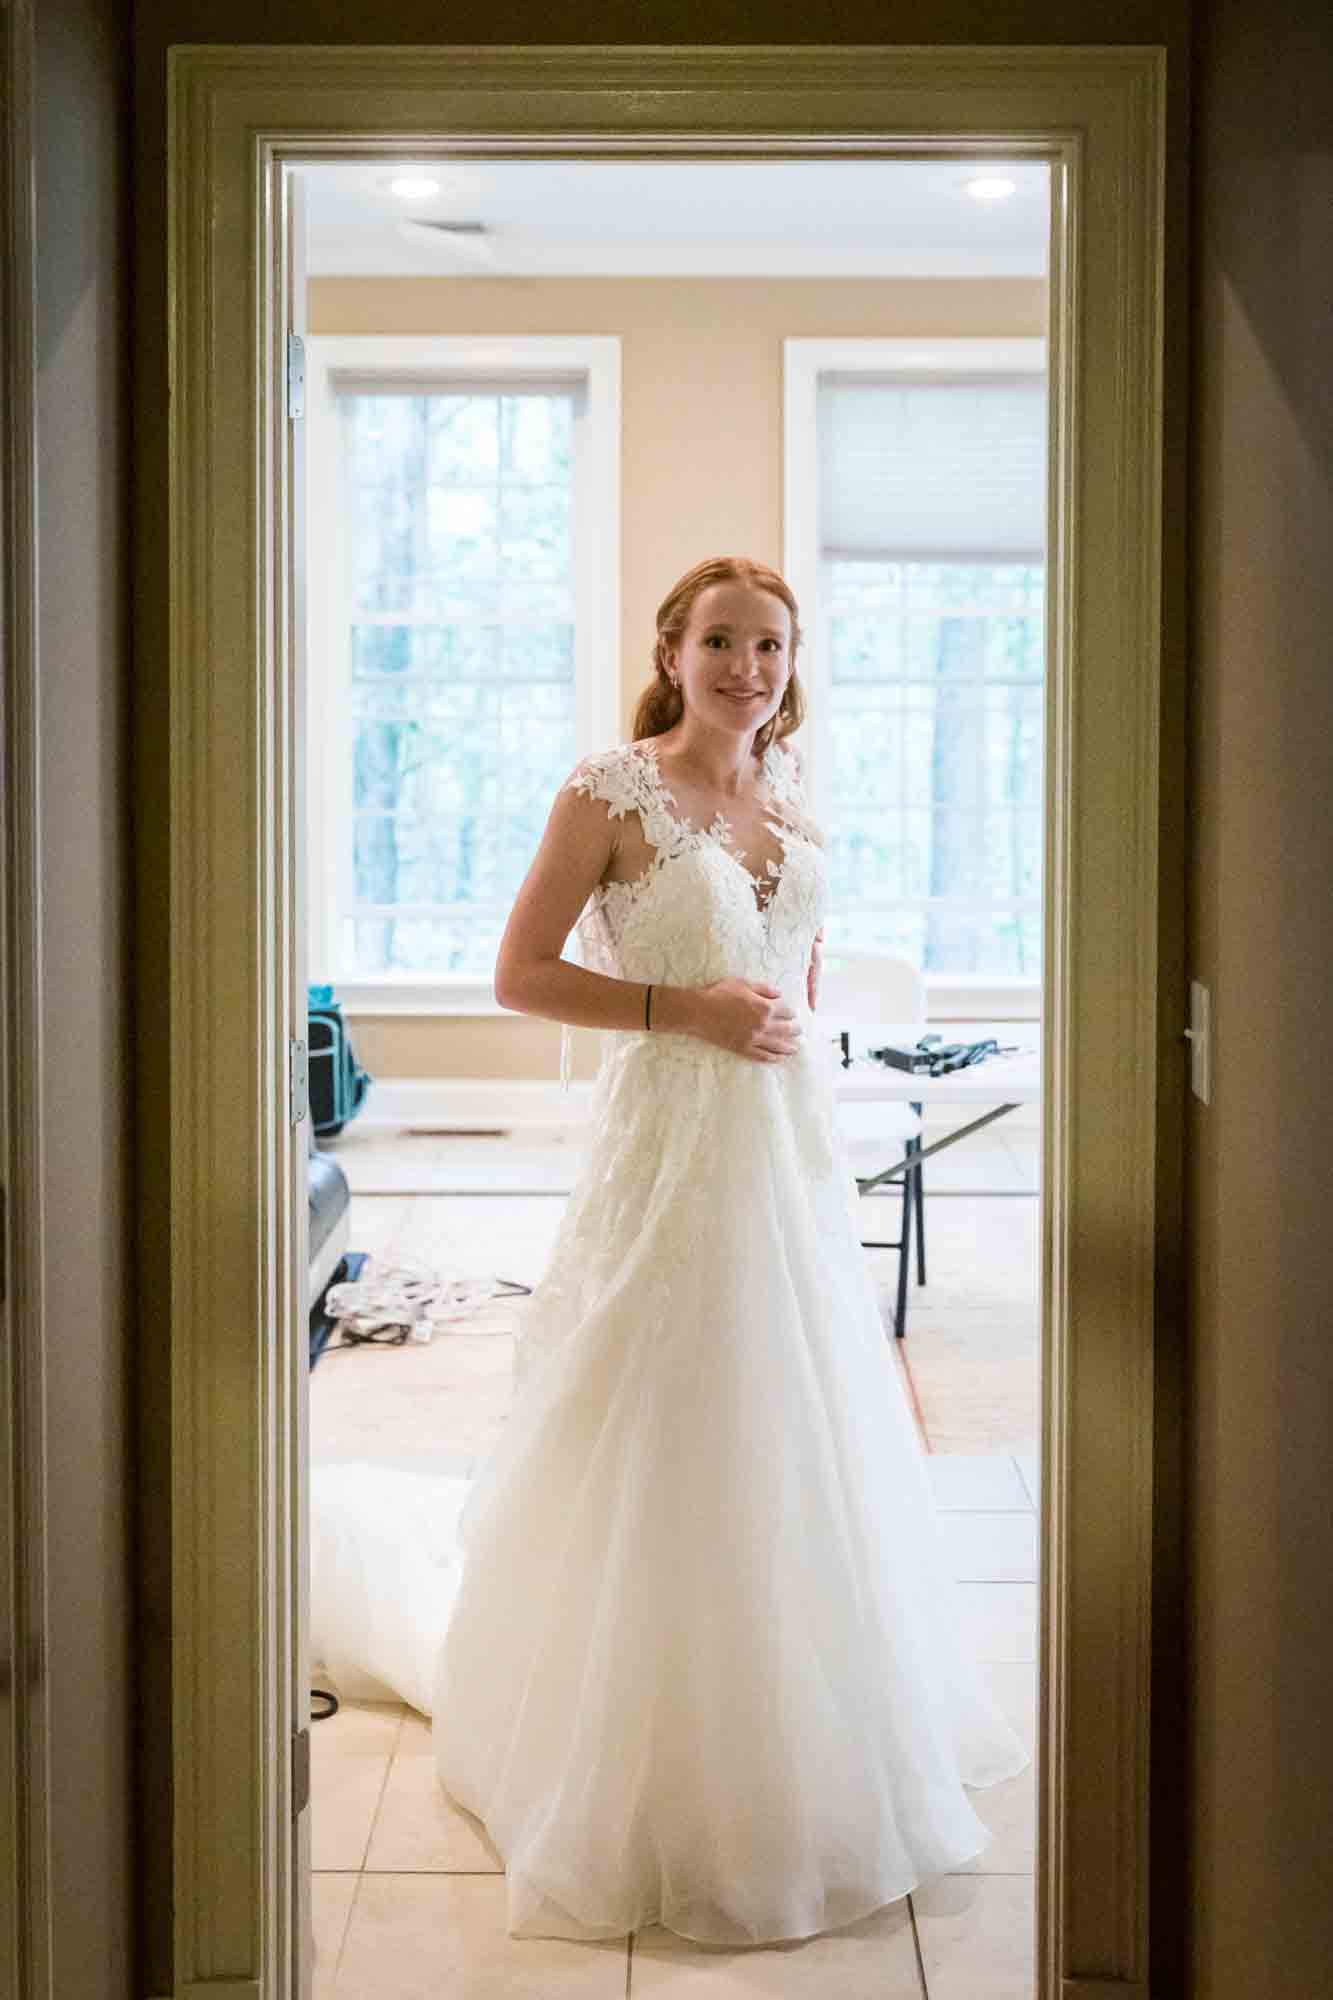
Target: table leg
911	1159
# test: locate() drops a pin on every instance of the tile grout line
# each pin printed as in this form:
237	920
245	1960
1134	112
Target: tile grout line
432	1874
906	1377
346	1932
1033	1502
379	1802
916	1947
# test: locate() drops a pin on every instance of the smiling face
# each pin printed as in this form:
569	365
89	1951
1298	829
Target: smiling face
734	660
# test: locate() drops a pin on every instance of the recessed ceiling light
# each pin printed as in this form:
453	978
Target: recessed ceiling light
989	187
413	187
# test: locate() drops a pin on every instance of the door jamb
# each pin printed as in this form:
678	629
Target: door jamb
25	1697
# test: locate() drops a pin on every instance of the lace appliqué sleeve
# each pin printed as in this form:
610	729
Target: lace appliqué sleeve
606	775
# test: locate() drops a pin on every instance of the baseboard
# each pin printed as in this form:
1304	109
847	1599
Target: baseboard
537	1109
526	1106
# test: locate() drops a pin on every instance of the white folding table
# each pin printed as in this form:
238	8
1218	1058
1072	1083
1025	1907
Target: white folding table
999	1081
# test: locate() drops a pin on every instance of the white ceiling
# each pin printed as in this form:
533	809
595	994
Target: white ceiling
680	218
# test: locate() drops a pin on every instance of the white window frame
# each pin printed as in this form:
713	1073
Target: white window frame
949	996
592	360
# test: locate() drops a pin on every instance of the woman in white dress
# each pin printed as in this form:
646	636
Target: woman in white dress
688	1638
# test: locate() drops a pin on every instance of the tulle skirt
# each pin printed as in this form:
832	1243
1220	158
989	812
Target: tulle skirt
689	1639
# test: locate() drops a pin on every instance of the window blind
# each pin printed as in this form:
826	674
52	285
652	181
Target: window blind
933	469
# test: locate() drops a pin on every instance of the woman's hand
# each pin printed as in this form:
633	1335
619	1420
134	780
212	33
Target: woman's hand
747	1017
812	974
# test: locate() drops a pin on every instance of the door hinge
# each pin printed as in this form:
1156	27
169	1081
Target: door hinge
295	376
300	1772
298	1080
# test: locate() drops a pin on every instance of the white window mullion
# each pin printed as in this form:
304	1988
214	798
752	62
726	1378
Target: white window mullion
340	827
325	562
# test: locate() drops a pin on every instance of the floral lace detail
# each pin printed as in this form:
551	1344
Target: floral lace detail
685	920
785	780
629	778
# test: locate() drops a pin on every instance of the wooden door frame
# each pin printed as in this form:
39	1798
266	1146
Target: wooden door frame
25	1697
238	118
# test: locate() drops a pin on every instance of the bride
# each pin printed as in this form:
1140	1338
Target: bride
688	1637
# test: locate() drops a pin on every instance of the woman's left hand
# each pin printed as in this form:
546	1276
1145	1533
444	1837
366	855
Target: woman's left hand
812	975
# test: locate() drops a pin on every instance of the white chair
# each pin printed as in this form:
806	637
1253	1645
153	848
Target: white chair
860	1001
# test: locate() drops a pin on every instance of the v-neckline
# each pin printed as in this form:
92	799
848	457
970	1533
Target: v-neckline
718	831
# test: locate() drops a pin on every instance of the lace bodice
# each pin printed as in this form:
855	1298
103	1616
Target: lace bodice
698	913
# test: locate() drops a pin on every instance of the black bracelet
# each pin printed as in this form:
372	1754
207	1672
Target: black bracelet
648	1008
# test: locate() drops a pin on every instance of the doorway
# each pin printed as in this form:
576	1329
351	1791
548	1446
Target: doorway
1099	886
482	491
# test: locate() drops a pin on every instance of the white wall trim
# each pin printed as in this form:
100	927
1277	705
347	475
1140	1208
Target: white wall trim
538	1106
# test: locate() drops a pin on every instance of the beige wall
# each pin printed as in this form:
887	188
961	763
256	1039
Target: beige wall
82	637
701	475
1261	936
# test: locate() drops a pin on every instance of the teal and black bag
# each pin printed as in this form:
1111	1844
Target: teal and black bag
338	1084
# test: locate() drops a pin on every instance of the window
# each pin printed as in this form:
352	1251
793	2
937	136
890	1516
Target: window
461	652
925	566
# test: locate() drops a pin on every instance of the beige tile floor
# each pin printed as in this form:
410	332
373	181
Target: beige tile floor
408	1891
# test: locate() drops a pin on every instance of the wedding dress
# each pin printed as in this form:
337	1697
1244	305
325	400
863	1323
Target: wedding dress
689	1641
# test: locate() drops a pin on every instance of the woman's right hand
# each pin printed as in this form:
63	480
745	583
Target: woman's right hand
747	1017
